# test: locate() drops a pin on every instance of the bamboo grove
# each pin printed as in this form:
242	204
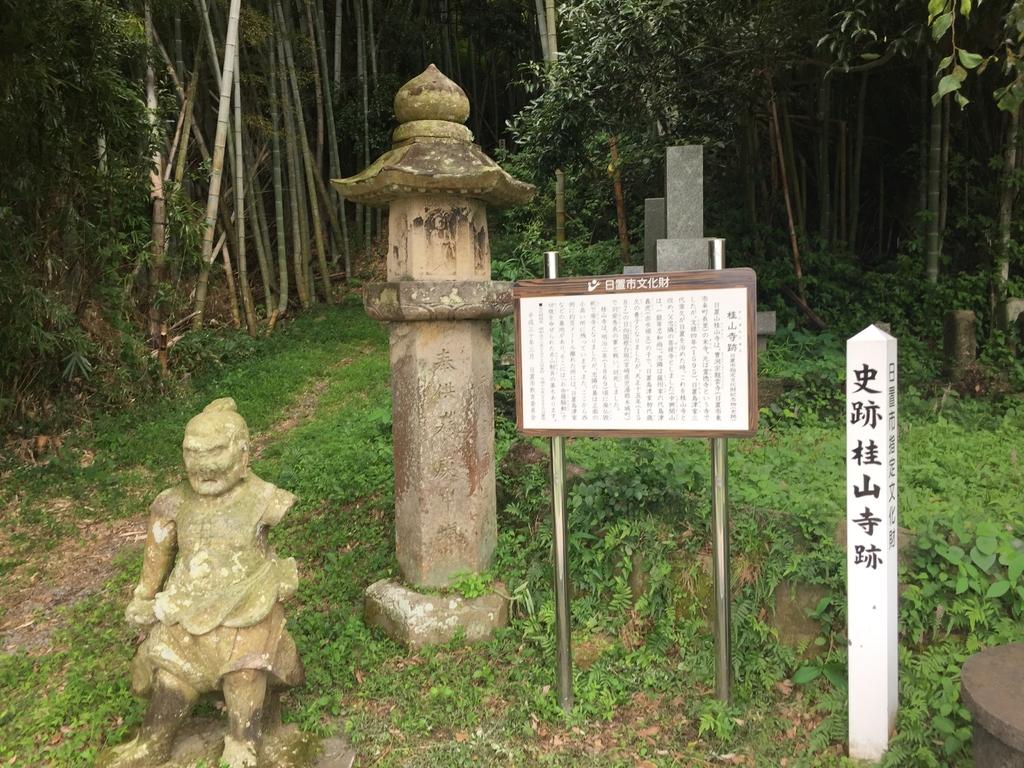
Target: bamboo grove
165	165
168	162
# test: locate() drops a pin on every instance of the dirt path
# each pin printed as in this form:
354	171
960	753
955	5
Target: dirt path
83	563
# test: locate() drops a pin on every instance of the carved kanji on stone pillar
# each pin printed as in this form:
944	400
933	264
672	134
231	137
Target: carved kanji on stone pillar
439	302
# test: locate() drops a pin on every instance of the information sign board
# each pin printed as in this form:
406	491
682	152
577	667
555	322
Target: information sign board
669	354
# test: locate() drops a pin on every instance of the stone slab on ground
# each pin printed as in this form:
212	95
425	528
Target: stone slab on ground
201	741
992	687
417	620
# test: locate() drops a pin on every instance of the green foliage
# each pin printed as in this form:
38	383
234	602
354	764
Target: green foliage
639	538
71	228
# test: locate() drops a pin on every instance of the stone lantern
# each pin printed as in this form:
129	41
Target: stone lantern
438	302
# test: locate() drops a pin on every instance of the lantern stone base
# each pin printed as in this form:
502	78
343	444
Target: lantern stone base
991	685
417	620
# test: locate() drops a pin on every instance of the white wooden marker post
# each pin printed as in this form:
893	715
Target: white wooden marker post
871	524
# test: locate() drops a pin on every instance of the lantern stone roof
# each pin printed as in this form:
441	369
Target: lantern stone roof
433	152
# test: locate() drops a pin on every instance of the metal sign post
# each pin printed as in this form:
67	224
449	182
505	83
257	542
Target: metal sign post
563	621
720	538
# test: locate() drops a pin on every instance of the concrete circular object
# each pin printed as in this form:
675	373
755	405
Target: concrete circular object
992	687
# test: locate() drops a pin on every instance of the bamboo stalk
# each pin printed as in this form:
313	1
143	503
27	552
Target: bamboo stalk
307	157
797	270
318	92
156	180
261	234
333	200
282	250
213	198
338	14
300	243
229	276
243	267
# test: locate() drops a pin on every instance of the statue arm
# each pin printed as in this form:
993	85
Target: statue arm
158	559
278	505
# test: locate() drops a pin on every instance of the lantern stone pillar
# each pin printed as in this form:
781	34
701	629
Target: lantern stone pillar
438	302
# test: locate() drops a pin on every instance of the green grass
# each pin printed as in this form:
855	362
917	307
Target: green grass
639	514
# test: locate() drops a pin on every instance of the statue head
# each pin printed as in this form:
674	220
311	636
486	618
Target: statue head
216	448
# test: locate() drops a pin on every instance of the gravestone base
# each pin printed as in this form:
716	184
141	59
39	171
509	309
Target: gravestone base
992	687
201	741
416	620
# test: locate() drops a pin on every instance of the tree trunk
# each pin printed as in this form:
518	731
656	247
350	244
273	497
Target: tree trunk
858	162
157	265
559	208
371	39
797	269
944	183
931	239
620	205
338	13
1008	194
542	28
261	235
797	190
229	277
839	196
363	160
748	155
307	158
551	28
318	91
213	198
333	200
275	145
824	183
300	243
243	267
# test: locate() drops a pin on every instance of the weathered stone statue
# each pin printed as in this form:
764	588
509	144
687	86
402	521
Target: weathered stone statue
210	594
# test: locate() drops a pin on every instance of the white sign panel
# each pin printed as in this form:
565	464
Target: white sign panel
655	354
871	524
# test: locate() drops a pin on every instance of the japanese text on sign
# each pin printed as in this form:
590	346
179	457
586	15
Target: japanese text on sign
618	356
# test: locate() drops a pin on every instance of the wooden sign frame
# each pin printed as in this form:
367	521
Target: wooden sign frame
647	283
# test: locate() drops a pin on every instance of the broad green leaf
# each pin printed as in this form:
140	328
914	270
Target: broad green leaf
965	7
1010	97
954	554
998	589
836	675
987	527
943	63
961	585
941	25
805	675
1015	567
943	725
962	100
948	84
986	544
982	560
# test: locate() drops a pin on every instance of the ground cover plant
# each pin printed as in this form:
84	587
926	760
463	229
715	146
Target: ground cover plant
316	397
